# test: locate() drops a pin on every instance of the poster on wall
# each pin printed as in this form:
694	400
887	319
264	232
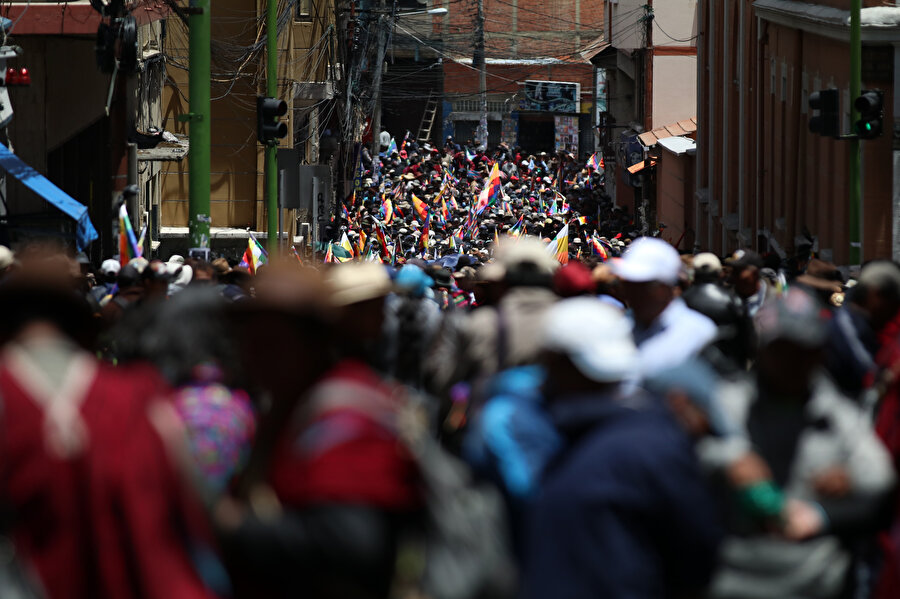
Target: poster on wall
600	104
509	134
551	96
566	134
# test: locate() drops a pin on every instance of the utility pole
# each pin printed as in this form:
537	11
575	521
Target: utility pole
379	65
199	116
479	61
271	157
855	157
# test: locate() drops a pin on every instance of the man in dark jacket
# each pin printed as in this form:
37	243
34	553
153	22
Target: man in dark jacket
623	511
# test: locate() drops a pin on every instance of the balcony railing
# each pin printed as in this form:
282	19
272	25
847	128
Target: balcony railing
475	106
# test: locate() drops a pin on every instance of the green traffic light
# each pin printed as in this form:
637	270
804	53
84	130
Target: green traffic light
868	126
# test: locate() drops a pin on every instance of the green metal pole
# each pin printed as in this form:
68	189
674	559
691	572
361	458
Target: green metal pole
855	157
199	117
271	189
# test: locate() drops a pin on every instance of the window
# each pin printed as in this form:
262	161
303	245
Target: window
804	93
772	76
783	81
304	10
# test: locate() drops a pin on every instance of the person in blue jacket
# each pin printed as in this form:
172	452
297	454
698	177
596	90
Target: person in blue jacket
622	510
512	440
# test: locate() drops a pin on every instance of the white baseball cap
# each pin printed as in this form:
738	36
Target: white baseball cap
648	259
594	335
110	267
707	261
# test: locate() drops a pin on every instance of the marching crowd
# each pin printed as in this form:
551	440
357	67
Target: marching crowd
492	383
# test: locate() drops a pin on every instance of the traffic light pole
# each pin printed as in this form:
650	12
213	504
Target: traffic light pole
271	157
855	156
199	117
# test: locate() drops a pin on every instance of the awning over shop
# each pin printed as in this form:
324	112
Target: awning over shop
639	166
42	186
686	127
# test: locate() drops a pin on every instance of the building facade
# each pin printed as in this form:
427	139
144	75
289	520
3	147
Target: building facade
540	87
77	125
307	59
650	68
763	180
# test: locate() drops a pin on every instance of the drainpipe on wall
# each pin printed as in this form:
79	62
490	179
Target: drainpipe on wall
702	45
760	76
712	132
726	122
895	242
742	128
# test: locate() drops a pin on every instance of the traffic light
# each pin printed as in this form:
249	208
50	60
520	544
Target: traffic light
9	76
828	122
870	105
15	77
268	128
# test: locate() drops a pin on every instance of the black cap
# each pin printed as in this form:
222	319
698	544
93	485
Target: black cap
741	259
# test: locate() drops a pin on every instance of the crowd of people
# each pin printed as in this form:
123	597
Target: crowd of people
488	386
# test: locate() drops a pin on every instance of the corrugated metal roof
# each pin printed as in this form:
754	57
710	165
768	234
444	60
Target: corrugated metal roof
682	128
594	48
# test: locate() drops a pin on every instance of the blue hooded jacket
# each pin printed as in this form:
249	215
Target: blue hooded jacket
623	511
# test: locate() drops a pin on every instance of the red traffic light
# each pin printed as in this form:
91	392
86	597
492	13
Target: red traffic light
17	76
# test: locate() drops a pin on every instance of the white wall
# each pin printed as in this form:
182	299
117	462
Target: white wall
675	23
674	89
627	29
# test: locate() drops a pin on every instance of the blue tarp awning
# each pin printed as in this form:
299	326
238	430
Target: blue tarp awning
42	186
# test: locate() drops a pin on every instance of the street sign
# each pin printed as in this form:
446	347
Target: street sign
315	196
289	178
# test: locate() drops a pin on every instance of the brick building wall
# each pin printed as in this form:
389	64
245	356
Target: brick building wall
764	181
524	40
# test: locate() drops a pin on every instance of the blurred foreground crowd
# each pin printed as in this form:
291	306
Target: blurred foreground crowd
655	425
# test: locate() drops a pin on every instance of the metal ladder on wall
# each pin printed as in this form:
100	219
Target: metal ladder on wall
431	106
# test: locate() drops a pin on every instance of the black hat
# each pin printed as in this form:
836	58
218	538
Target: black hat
741	259
442	277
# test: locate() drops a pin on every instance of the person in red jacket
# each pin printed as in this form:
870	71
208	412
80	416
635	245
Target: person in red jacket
878	295
329	485
98	507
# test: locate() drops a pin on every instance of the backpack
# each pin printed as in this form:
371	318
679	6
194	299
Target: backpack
464	549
